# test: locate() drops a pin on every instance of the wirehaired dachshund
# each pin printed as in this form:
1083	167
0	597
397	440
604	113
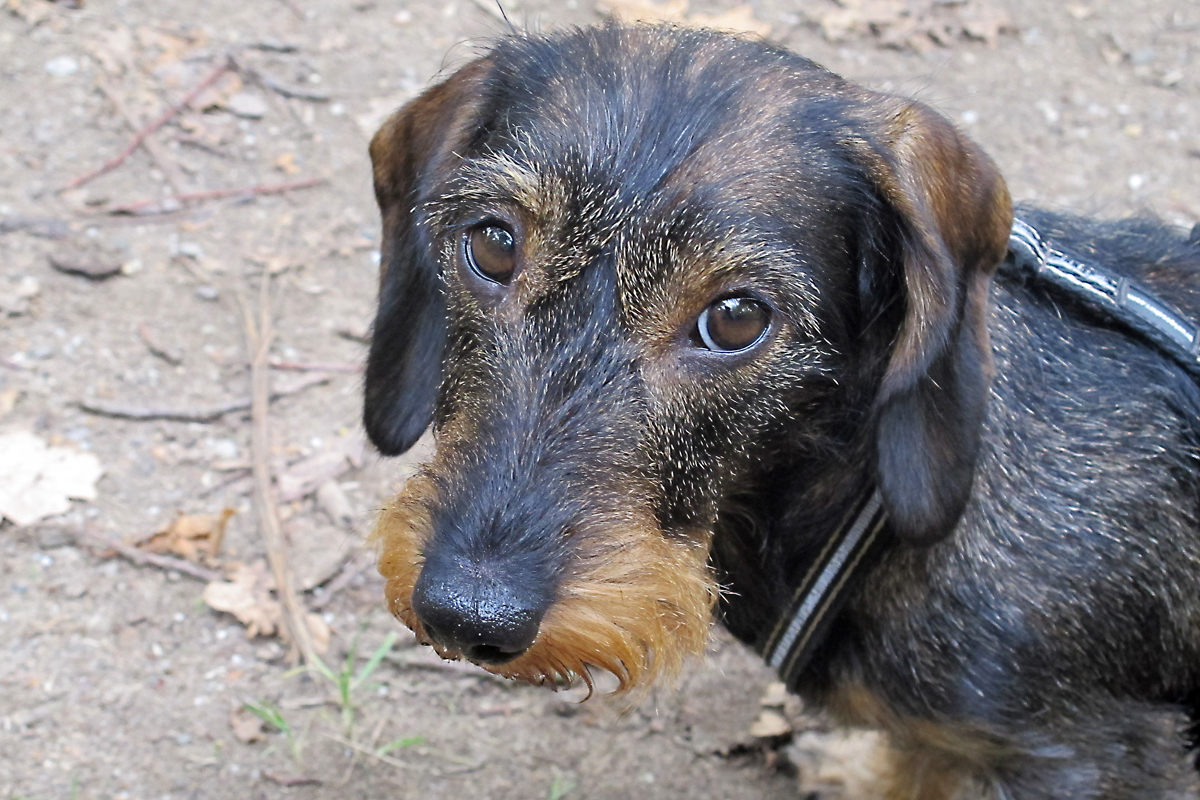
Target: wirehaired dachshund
675	301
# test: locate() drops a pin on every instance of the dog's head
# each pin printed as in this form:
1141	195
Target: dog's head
623	269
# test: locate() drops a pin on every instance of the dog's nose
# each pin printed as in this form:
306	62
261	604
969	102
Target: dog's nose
486	620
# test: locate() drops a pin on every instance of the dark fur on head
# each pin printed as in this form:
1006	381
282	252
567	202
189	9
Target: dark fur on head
599	472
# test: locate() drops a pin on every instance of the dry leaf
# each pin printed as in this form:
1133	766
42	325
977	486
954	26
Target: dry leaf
776	695
769	725
196	537
113	51
37	481
319	632
286	164
986	23
644	10
304	477
331	498
912	24
8	401
739	20
247	727
32	12
248	596
217	95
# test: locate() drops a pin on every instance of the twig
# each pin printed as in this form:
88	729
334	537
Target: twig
298	366
258	341
142	558
169	170
285	781
211	414
169	205
42	227
150	128
155	347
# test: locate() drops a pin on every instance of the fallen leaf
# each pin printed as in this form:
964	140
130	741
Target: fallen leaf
8	401
248	596
247	727
644	10
15	300
37	481
985	23
911	24
317	552
776	695
196	537
769	725
331	498
286	164
113	51
31	12
740	19
319	631
305	476
217	95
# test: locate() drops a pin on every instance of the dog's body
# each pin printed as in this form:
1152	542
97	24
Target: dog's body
675	300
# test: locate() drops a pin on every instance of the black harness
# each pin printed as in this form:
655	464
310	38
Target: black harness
1031	258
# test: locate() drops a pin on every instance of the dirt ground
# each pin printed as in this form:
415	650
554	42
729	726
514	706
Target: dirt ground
119	681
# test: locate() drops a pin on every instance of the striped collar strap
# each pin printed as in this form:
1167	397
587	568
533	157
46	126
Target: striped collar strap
815	601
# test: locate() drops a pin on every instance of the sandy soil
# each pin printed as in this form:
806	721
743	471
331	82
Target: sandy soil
118	681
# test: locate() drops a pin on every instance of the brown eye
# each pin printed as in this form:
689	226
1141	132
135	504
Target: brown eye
732	324
492	252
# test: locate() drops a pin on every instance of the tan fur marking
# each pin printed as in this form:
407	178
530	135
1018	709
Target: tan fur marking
925	760
638	605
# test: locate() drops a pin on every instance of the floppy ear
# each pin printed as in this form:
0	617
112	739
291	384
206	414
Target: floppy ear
952	215
411	155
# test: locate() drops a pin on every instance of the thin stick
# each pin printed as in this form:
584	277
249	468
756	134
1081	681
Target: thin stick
287	782
169	205
321	366
142	558
155	347
141	135
211	414
258	340
169	170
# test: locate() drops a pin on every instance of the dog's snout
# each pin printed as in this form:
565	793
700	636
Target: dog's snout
489	621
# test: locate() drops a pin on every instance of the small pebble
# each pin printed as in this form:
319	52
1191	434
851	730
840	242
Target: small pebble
191	250
247	105
62	66
207	292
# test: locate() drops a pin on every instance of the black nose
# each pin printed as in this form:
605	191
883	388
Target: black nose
476	612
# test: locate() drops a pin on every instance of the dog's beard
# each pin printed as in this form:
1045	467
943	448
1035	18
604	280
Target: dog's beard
634	602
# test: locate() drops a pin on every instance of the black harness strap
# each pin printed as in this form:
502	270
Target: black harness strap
820	592
1113	296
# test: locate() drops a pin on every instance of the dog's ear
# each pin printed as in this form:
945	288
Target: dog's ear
411	154
949	218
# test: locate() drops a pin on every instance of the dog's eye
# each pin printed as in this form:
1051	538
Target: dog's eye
732	324
492	252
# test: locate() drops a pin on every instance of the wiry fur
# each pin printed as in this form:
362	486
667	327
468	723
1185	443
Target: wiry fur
1031	628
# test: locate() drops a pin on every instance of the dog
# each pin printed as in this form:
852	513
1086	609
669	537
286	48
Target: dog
683	309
